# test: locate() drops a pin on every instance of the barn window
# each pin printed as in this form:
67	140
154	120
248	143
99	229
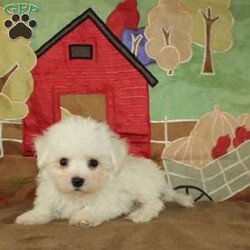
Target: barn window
80	51
86	105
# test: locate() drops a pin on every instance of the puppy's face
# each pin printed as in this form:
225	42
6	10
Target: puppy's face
72	174
79	154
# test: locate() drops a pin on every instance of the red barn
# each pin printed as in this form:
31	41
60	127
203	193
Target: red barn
85	58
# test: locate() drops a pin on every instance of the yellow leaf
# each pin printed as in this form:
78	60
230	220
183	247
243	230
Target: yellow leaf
11	110
15	52
19	86
19	111
5	106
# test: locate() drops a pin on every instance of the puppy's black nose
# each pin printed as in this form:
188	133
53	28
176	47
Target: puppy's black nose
77	182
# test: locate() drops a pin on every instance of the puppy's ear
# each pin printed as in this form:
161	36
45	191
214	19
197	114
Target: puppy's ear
119	152
42	152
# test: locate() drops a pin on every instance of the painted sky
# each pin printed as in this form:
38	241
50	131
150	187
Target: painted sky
187	94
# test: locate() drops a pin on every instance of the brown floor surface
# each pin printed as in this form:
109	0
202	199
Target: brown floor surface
217	226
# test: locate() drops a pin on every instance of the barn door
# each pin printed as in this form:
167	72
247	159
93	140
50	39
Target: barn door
93	105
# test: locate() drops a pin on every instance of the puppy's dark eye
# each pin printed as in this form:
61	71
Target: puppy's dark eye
64	162
93	163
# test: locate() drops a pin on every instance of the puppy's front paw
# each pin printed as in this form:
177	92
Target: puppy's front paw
32	217
83	218
141	215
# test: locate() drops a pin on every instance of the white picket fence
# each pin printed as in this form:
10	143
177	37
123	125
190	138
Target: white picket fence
166	133
19	122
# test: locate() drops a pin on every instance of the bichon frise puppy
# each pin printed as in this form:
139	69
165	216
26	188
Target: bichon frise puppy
87	176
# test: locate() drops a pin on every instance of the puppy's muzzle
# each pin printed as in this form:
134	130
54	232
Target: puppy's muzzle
77	182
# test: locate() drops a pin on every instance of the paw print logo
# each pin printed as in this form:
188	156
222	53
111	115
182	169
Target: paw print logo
20	26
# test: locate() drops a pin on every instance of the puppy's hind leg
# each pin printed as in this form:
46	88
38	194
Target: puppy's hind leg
147	211
184	200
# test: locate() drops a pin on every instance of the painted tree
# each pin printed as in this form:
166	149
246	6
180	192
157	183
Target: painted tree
169	35
213	22
16	82
135	41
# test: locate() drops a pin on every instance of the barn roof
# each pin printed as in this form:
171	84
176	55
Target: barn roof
89	13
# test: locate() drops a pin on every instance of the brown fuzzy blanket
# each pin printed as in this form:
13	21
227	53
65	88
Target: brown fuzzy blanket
215	226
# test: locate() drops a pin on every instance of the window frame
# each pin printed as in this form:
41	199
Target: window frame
90	46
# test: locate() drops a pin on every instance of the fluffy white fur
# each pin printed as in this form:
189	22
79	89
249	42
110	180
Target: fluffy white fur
121	184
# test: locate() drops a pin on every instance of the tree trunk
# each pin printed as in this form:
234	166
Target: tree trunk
208	61
166	34
207	64
135	43
170	72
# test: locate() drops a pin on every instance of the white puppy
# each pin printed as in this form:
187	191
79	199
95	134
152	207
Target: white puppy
87	176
